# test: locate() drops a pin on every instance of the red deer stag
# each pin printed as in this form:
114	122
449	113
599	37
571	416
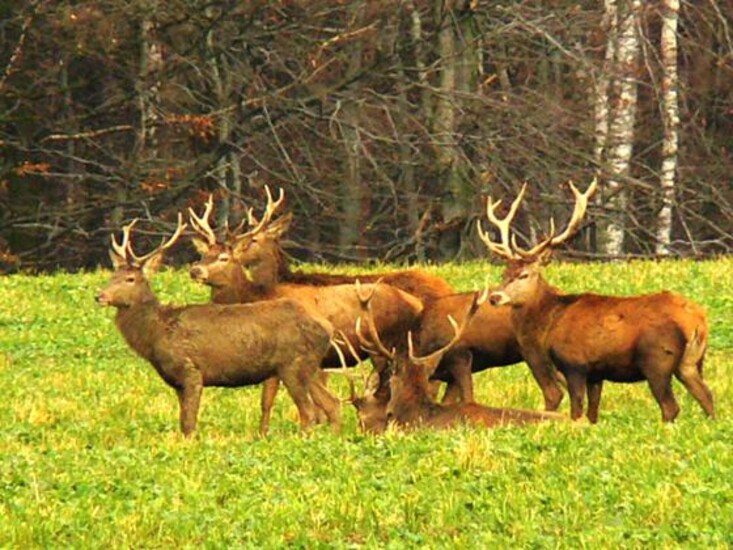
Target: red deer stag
408	402
590	338
219	268
195	346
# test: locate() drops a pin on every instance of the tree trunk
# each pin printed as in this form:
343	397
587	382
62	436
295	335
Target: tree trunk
671	121
353	196
621	128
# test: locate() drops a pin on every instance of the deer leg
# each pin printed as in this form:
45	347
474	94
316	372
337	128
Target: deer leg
189	399
321	413
325	402
576	388
458	363
661	386
545	374
452	393
295	381
594	400
269	391
698	389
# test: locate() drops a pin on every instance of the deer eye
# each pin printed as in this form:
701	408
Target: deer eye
523	275
223	257
130	279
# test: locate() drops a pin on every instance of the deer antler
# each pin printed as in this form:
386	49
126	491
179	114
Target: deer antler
270	209
164	245
122	248
343	340
375	345
201	224
581	205
504	248
479	297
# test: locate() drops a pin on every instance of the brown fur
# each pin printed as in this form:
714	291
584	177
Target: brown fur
396	311
488	341
192	347
591	338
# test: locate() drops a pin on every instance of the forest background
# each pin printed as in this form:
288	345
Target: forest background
384	122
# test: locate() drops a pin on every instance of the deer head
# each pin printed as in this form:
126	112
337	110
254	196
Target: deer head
129	284
522	276
255	246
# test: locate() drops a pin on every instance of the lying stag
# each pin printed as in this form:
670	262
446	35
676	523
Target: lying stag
195	346
408	402
591	338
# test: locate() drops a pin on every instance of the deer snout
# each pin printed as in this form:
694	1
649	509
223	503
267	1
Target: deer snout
498	298
102	298
198	273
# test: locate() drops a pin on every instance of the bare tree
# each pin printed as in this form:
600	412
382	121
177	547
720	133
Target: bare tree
671	119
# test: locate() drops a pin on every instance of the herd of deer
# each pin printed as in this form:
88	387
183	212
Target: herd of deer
268	324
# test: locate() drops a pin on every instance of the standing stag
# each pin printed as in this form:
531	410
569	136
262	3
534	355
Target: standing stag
195	346
220	268
591	338
409	403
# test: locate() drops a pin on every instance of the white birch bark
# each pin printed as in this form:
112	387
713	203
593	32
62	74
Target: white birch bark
602	110
621	128
670	113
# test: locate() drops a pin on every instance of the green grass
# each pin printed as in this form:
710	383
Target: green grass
90	453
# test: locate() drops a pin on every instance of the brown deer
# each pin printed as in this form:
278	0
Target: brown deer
590	338
221	269
408	401
195	346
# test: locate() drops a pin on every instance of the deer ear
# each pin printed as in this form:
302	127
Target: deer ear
201	246
152	264
278	228
118	262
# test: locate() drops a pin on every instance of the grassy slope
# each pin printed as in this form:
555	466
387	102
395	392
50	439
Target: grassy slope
90	454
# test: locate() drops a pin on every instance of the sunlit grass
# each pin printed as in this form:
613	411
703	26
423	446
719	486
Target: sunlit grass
90	454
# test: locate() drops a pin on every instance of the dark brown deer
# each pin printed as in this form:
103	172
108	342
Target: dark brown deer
408	402
220	268
590	338
195	346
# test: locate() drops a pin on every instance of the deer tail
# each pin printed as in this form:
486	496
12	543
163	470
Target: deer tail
692	357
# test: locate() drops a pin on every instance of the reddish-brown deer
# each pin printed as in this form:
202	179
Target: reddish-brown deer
590	338
195	346
395	311
408	402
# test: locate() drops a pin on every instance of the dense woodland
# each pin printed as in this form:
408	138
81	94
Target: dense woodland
386	123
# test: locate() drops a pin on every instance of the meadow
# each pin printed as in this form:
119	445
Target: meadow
91	456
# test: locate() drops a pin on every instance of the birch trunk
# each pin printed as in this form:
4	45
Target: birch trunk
621	128
670	112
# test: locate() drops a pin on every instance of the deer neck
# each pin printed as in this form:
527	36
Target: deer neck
238	290
141	326
532	319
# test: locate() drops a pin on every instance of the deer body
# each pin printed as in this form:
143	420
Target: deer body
195	346
488	341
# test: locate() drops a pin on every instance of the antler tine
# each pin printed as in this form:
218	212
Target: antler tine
479	297
164	244
270	209
122	248
201	224
503	249
579	209
375	346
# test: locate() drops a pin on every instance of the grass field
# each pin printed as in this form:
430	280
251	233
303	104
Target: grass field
90	454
